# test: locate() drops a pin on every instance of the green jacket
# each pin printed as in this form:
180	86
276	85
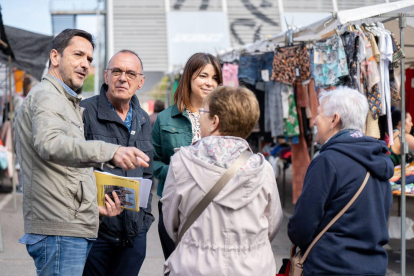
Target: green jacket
172	129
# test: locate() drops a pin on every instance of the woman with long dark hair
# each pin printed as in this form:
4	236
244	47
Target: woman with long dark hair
179	124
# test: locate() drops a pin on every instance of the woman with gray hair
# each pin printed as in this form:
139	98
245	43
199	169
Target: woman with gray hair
353	245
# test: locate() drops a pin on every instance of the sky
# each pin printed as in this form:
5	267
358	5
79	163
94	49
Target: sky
29	15
34	15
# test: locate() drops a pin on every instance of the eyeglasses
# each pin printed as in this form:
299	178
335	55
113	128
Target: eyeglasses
117	72
201	111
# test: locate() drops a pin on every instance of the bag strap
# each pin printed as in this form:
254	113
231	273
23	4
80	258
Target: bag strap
302	260
214	191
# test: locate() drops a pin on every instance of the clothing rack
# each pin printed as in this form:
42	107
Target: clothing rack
388	11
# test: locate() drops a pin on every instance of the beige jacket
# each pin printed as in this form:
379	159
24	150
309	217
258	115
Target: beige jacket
59	190
232	236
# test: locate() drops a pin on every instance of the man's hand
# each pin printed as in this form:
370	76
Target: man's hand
130	158
112	209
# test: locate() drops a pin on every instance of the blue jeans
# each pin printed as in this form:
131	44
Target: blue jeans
107	259
58	255
251	66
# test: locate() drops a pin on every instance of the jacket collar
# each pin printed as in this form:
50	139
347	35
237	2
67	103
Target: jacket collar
175	112
60	88
106	113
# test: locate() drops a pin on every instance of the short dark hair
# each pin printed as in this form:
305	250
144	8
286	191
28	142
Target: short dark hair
62	40
131	52
396	118
159	106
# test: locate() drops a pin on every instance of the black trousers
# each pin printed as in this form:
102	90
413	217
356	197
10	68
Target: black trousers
106	259
167	243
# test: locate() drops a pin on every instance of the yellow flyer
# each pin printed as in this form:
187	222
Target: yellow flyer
126	189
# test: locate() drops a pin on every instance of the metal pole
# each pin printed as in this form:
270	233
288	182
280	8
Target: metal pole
110	28
404	148
335	5
98	51
11	117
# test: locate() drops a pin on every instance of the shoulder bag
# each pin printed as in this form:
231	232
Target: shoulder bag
296	266
214	191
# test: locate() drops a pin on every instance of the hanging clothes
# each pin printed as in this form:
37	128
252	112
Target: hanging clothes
350	40
273	108
290	115
291	64
409	91
330	62
230	73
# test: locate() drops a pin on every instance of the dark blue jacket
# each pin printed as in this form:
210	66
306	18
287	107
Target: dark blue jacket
354	244
102	123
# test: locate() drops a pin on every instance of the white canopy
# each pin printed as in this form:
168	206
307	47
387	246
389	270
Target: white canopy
368	14
316	30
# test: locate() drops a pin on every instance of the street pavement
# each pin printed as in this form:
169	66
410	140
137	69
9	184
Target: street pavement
15	261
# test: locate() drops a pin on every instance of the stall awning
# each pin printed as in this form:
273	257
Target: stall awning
316	30
31	50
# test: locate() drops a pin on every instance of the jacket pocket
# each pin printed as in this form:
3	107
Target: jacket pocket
174	137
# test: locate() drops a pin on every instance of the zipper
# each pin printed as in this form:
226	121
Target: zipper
77	210
75	124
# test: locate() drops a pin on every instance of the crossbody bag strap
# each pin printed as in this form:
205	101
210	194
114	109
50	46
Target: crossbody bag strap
214	191
302	260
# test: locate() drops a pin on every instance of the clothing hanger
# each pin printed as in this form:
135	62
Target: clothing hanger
301	44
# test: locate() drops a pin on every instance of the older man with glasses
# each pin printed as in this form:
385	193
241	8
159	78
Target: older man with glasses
115	116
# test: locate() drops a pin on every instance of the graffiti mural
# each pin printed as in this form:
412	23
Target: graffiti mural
249	20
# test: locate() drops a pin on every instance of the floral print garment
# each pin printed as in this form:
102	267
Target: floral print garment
291	124
329	62
223	151
351	46
195	123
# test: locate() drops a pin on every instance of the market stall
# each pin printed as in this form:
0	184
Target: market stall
379	21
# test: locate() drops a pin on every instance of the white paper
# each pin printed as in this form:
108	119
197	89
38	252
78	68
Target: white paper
144	190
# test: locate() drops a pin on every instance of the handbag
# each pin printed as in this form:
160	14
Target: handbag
214	191
297	259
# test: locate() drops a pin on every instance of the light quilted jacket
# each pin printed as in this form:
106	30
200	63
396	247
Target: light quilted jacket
233	235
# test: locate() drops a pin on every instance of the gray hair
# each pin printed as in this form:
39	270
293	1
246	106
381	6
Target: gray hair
349	104
127	51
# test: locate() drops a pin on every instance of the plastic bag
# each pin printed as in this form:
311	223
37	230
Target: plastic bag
394	228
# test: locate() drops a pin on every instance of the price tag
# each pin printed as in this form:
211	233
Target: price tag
412	83
297	72
265	75
318	57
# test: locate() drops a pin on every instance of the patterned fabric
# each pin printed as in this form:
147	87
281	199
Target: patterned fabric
374	100
369	67
350	41
330	62
395	93
371	78
195	123
291	124
222	151
375	51
398	52
289	62
128	118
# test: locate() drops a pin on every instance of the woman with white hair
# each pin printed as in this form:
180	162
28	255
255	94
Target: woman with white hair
353	245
